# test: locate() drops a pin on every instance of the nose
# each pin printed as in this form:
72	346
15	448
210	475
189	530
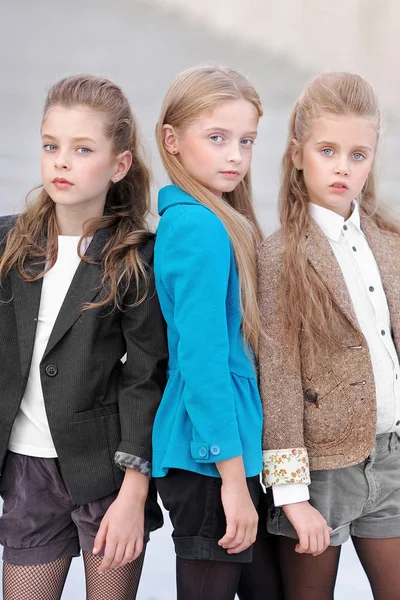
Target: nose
342	166
234	154
61	161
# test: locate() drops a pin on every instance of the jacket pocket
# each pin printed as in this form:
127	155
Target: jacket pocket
95	413
327	412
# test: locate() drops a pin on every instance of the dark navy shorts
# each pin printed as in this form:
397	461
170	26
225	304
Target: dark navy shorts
40	522
197	515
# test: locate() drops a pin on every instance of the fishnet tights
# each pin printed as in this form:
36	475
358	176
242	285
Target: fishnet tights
46	582
35	582
118	584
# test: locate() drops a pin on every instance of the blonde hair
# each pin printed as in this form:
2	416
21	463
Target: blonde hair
194	92
33	241
308	304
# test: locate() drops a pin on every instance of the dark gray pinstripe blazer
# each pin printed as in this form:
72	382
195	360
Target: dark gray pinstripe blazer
95	404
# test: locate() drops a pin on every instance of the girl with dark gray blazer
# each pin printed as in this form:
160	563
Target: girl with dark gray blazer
83	355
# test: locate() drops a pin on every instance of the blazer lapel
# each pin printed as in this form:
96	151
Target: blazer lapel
85	286
26	299
322	258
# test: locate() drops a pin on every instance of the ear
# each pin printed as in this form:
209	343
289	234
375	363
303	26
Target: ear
123	164
170	139
297	155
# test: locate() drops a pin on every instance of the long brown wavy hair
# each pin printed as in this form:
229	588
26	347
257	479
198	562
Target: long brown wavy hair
309	306
33	241
194	92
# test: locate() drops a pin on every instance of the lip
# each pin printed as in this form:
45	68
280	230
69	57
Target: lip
61	183
339	187
231	174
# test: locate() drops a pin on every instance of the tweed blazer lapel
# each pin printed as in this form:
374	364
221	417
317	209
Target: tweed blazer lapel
386	248
323	260
85	286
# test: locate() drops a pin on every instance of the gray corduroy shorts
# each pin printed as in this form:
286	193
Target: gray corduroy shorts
361	501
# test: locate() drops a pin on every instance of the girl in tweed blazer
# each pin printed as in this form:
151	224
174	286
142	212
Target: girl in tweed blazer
329	293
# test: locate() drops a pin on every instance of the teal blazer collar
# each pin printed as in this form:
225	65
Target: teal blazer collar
171	195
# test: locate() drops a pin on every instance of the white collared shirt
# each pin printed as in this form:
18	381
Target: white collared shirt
363	281
364	284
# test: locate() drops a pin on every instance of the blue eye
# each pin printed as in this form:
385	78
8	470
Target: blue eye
216	138
327	151
247	142
358	156
83	150
49	147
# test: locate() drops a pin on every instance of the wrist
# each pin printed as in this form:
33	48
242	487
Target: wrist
135	485
232	472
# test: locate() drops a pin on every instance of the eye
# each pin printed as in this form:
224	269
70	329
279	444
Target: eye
216	138
358	156
247	142
49	147
83	150
327	151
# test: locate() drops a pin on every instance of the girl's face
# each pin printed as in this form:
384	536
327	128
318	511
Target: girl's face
336	159
77	161
216	148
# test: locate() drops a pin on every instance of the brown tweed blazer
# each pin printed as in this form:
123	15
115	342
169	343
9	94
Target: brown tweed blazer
331	410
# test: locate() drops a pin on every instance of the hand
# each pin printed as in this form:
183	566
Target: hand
241	516
121	530
311	527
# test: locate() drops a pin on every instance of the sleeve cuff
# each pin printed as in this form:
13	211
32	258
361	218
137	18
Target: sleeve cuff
212	453
286	466
289	494
128	461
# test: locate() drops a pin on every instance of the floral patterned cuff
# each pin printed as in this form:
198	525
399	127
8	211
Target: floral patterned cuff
124	460
285	466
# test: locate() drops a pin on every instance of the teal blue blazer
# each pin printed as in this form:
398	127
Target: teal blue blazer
211	407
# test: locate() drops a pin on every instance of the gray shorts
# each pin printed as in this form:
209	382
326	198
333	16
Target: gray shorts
40	522
361	501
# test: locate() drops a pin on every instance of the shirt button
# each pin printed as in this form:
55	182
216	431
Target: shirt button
371	288
202	451
345	227
215	450
397	423
354	249
383	332
51	370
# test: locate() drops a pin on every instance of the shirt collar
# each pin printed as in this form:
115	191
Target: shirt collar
331	223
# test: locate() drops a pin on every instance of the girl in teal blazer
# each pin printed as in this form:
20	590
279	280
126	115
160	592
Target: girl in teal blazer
207	432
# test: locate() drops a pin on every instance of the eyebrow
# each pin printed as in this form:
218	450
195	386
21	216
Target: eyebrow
361	147
223	130
77	139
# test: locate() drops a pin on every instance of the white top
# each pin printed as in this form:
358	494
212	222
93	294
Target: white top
30	434
363	280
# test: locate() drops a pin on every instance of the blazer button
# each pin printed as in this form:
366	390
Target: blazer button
215	450
311	395
51	370
202	451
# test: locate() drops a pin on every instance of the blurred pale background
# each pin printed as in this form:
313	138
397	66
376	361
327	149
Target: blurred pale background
142	45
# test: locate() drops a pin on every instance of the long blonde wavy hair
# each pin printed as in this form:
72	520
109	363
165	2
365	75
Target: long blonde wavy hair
33	241
194	92
309	306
